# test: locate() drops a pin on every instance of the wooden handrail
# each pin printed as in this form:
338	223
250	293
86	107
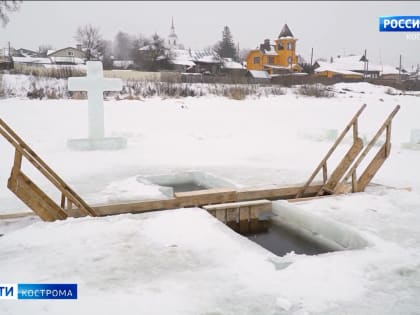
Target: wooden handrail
386	125
353	123
39	164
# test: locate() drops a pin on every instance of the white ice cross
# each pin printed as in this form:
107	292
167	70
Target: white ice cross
95	84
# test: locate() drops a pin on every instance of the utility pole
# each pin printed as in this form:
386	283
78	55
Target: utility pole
399	68
312	55
365	65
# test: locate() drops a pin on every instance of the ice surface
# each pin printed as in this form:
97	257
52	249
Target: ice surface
414	143
185	261
318	134
415	136
108	143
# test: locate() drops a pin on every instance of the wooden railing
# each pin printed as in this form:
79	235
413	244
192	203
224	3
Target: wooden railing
360	184
32	195
329	185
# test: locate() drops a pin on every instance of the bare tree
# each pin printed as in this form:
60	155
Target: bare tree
7	6
105	53
123	45
90	38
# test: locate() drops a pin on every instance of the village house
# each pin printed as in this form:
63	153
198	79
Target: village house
68	56
275	57
354	67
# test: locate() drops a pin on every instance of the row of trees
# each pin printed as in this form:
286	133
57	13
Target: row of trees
126	47
7	7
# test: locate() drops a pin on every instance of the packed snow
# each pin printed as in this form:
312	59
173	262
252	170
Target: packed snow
184	261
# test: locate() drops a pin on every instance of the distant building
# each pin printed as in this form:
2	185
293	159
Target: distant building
355	66
173	42
67	56
275	57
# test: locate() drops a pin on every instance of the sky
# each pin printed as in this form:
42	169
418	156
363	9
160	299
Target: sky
330	28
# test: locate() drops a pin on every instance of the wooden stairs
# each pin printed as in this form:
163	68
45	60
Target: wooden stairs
334	184
37	200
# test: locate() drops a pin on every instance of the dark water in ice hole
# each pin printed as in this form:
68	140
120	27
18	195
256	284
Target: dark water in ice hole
276	239
281	241
187	186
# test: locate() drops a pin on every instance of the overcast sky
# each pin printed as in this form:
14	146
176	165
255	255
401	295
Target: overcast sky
331	28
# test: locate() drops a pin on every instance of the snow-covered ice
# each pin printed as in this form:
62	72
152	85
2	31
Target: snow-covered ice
186	262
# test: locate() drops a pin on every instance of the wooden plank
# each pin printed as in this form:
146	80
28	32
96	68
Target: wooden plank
203	192
238	204
372	169
276	193
205	197
254	212
244	213
74	211
35	198
197	200
342	167
16	215
232	215
244	219
221	215
232	218
136	207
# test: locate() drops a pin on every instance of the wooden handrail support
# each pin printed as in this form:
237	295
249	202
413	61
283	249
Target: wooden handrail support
323	164
377	161
23	150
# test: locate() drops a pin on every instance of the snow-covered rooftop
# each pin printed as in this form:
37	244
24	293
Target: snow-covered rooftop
74	60
354	63
229	63
258	74
35	60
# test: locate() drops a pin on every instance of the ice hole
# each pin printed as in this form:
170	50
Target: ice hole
290	229
281	240
185	181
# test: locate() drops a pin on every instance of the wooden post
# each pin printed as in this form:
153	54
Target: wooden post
388	140
244	216
354	181
324	172
63	201
221	215
355	130
17	164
